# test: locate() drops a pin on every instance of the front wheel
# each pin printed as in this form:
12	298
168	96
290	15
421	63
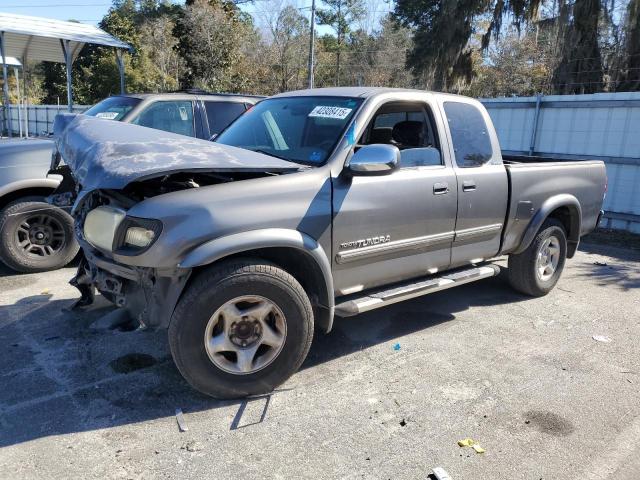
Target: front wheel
537	270
36	236
242	328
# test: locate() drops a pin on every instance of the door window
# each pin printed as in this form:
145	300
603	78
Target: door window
408	126
170	116
469	134
221	114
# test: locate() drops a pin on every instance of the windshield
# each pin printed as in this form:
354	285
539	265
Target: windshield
299	129
113	108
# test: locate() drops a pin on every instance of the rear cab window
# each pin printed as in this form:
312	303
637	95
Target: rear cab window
469	134
220	114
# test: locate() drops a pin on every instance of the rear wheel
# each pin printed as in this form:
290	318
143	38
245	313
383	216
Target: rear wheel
242	328
537	270
36	236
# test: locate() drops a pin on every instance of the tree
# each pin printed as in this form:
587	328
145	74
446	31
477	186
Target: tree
340	15
158	46
628	61
290	37
377	59
517	64
580	69
440	55
211	40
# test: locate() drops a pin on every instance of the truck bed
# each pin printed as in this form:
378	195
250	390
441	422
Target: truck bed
536	180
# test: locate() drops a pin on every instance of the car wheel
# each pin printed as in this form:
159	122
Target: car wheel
36	236
241	328
537	270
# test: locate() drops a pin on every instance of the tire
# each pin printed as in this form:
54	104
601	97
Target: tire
206	311
525	271
54	250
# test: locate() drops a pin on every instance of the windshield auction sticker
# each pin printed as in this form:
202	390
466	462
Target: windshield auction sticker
330	112
107	115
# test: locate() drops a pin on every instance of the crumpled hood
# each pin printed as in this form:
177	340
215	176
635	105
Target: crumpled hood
110	155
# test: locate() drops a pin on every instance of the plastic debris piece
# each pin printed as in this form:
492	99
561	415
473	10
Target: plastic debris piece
396	347
477	448
441	474
467	442
601	338
180	419
45	292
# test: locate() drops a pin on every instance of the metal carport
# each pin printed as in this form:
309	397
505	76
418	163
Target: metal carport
48	40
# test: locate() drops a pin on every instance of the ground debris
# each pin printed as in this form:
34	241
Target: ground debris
468	442
396	347
441	474
192	446
180	419
601	338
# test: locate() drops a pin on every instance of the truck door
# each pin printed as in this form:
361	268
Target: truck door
482	182
399	226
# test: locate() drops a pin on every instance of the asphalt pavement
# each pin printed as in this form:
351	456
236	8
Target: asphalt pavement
386	395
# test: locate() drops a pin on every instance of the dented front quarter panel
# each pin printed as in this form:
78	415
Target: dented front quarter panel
299	201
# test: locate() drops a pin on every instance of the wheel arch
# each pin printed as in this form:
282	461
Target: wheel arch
26	188
297	253
566	209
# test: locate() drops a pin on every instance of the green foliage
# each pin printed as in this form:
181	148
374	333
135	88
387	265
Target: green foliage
477	47
441	55
340	15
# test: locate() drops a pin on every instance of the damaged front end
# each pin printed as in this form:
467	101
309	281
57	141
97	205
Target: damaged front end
147	294
112	169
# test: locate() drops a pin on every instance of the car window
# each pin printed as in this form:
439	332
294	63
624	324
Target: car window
300	129
221	114
408	127
113	108
469	134
171	116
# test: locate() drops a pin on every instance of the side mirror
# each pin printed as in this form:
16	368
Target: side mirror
374	160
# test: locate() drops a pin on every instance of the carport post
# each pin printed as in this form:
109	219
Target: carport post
66	50
120	62
5	87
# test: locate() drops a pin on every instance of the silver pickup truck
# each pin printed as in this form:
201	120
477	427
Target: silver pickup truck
314	204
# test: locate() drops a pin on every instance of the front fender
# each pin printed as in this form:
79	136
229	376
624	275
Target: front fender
219	248
49	183
551	204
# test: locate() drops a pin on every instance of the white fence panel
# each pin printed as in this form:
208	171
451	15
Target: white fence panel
603	126
40	118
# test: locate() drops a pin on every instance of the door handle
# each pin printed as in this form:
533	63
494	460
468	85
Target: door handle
468	186
440	188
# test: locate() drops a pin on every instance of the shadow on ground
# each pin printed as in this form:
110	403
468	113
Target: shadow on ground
622	275
65	372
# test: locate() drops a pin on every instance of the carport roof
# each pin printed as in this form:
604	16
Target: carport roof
12	62
38	38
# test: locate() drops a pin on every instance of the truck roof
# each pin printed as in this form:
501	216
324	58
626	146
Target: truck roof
362	92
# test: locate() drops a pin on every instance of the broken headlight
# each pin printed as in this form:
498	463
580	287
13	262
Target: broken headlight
135	235
101	225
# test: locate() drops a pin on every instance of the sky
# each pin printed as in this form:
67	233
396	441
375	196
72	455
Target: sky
87	11
92	11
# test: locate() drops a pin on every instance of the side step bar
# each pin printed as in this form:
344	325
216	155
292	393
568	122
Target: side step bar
399	293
